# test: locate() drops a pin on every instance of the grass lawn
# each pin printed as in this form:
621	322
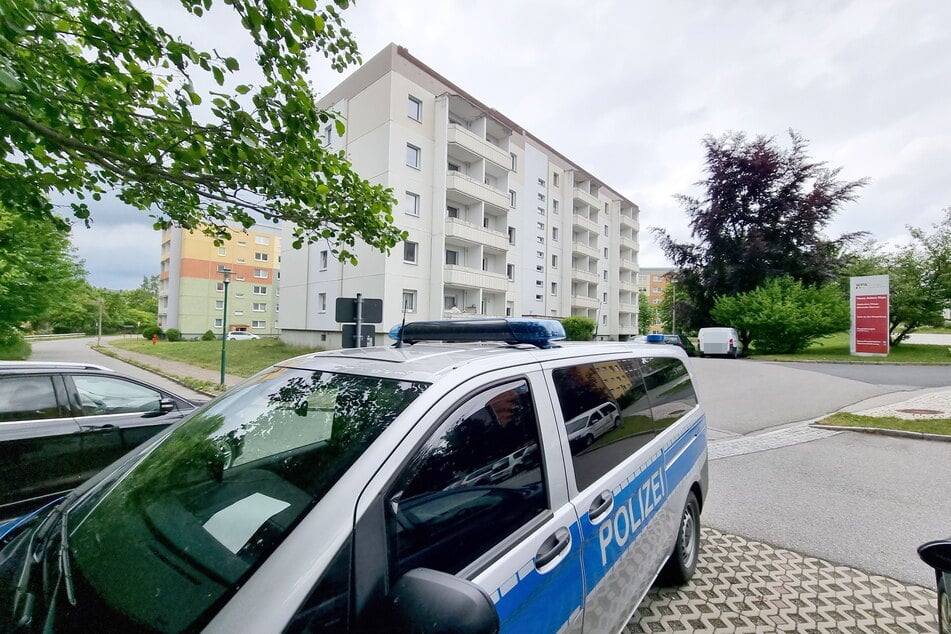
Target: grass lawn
244	357
940	426
19	351
836	348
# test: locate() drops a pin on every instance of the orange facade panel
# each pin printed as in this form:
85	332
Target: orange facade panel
208	270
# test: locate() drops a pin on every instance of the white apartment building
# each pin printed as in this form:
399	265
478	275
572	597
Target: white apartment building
499	222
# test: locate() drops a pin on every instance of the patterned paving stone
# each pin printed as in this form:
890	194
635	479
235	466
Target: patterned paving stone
742	445
747	586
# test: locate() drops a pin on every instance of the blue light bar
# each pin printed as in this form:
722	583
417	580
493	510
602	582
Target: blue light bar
655	338
537	332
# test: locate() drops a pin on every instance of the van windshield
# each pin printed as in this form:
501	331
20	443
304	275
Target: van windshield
179	533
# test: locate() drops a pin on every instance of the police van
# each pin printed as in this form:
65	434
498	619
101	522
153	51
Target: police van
430	486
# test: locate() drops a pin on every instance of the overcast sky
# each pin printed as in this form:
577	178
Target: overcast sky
629	89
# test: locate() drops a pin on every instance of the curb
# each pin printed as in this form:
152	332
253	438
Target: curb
897	433
111	352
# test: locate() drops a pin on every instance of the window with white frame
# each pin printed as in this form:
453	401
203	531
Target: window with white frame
541	197
540	239
512	198
324	257
322	302
539	283
452	257
218	323
514	161
538	298
541	226
409	300
554	234
452	212
510	271
259	290
260	257
239	278
260	273
554	179
242	243
605	253
259	307
554	261
239	294
239	313
412	155
541	211
240	260
219	304
414	108
554	288
539	268
511	235
410	254
554	206
540	255
328	132
262	240
541	182
411	201
222	251
258	324
220	287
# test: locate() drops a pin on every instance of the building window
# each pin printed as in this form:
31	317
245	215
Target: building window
452	212
322	302
409	301
220	287
412	203
605	230
260	290
511	235
604	320
239	294
554	288
605	275
541	198
554	206
324	255
539	283
541	211
242	243
539	268
260	257
605	253
412	155
514	161
512	198
262	240
541	182
453	167
605	300
538	298
328	131
541	226
222	251
510	271
554	234
240	260
540	255
239	278
218	323
554	261
260	273
259	324
258	307
409	252
452	257
219	304
554	179
239	312
414	108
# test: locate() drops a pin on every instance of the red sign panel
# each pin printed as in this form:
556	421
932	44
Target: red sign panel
871	324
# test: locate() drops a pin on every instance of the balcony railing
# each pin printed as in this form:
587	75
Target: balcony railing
462	230
584	249
629	265
583	301
459	135
472	278
476	189
585	223
630	243
628	286
583	275
583	196
627	221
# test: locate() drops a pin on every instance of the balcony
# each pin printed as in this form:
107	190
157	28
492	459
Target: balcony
584	249
628	329
476	190
627	265
473	278
627	308
630	222
582	301
584	276
478	146
582	222
582	196
630	243
628	286
467	232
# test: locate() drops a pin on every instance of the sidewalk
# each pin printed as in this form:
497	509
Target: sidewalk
173	370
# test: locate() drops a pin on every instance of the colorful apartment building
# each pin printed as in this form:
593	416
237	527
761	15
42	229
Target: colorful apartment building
192	289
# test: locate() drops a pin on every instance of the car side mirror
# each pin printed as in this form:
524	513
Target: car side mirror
166	405
937	554
425	600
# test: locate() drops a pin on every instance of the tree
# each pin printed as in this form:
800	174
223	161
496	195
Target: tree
760	216
38	269
648	315
919	277
93	99
784	315
578	328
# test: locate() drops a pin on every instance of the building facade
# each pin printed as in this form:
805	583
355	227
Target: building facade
653	282
192	289
499	222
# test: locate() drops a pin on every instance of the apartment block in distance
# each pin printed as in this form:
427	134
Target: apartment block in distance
191	286
499	223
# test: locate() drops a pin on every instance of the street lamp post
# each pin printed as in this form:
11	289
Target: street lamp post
226	273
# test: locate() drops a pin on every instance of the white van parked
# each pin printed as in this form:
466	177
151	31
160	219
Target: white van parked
724	341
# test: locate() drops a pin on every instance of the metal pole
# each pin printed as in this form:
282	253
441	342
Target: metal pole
359	335
673	311
224	332
99	333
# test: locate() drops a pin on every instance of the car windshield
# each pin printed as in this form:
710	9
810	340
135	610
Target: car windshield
179	533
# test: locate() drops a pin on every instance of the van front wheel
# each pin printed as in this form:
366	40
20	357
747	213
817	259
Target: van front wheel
683	561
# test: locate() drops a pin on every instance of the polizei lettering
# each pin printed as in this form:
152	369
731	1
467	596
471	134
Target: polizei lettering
627	520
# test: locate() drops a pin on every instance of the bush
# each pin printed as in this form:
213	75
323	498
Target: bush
173	334
149	331
13	347
578	328
208	336
782	316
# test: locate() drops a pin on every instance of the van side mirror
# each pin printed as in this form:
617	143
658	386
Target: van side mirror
425	600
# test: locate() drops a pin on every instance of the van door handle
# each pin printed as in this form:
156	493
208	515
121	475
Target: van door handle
601	505
552	547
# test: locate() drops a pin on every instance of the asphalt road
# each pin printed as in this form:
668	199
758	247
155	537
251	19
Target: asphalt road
79	351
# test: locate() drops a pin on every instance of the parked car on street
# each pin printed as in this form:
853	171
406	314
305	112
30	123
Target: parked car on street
61	423
680	340
425	487
241	335
937	554
719	341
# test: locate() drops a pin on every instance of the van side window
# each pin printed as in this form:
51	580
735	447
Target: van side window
670	390
28	398
476	481
606	414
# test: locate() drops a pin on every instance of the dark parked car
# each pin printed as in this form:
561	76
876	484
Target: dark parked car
60	423
938	556
679	340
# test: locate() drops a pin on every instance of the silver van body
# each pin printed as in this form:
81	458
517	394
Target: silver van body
719	341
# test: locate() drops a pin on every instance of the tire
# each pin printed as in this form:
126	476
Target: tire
682	562
944	608
733	353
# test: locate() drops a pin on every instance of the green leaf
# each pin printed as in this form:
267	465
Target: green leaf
242	89
231	63
307	5
322	189
9	81
341	128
